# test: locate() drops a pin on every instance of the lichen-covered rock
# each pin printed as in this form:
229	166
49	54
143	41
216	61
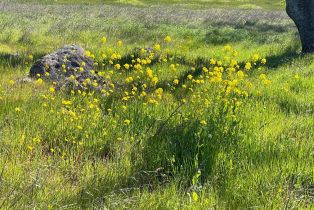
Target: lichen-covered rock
70	69
72	57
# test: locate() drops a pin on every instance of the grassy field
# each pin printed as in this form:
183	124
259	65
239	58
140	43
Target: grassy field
196	4
220	117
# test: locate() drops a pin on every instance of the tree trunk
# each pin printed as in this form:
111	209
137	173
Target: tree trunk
302	13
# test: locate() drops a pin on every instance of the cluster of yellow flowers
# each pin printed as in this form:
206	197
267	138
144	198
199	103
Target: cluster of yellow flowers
216	85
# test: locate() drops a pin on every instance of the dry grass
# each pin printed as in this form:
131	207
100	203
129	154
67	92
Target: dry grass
156	14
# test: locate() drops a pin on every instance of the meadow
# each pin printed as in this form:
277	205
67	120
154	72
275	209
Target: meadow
208	105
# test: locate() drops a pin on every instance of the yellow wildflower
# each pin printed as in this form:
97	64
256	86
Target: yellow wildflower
52	89
262	77
39	81
126	122
248	66
227	48
255	57
126	66
212	61
11	82
203	122
154	80
88	53
167	39
66	102
129	79
297	76
176	82
79	127
104	40
240	75
117	66
149	73
119	43
156	47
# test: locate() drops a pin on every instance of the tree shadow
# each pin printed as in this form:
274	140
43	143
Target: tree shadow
190	147
15	60
257	32
182	149
12	60
285	57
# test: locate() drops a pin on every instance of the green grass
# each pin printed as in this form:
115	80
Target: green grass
165	159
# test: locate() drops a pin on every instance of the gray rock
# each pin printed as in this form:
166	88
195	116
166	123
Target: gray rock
72	56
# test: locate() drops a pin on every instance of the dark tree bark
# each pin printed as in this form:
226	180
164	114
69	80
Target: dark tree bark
302	13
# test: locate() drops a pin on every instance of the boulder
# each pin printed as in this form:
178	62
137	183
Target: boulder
70	56
70	69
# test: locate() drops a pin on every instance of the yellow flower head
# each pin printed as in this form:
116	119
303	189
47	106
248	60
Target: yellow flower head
117	66
79	127
154	80
297	76
104	40
159	91
149	73
212	61
88	53
255	57
203	122
129	79
52	89
240	75
11	82
248	66
119	43
156	47
126	122
167	39
262	77
126	66
66	102
176	82
72	77
39	81
227	48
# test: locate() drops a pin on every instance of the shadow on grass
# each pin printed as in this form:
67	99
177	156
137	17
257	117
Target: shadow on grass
15	60
284	58
224	33
11	60
181	150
